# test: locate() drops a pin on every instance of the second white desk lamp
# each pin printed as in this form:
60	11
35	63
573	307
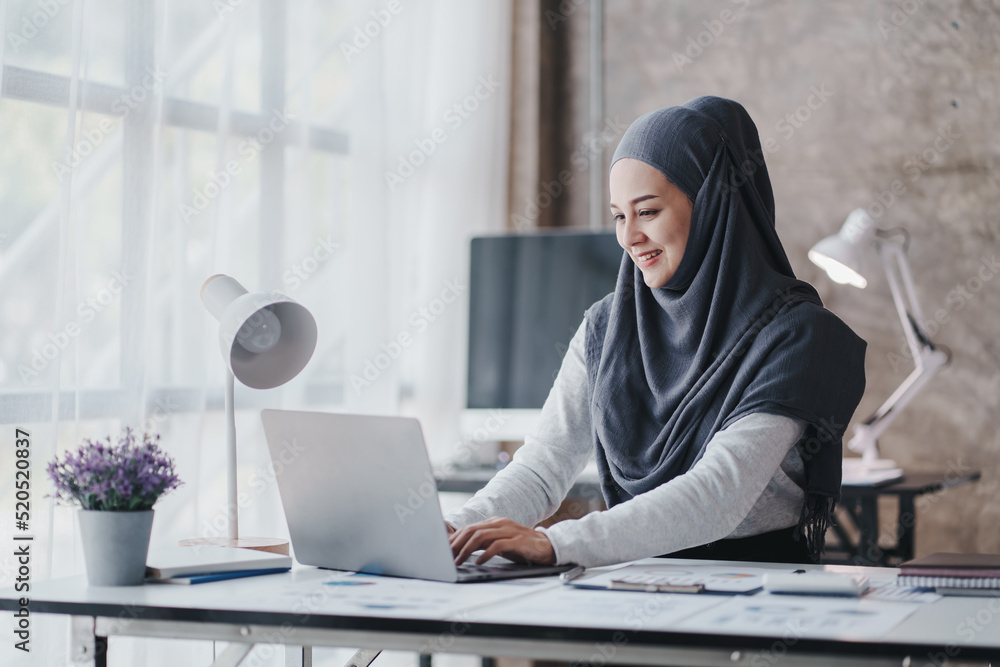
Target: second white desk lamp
845	257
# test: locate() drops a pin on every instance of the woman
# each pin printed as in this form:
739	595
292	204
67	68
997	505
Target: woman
712	385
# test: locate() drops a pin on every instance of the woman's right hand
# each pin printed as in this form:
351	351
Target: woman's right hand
502	537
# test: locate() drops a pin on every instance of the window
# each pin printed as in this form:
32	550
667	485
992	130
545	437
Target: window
217	142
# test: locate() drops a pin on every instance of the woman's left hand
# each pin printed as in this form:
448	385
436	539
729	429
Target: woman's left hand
502	537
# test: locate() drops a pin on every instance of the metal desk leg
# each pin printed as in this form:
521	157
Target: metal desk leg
298	656
84	646
906	523
233	655
844	541
869	552
363	657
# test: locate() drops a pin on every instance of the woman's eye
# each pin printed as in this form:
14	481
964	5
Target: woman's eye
617	217
647	213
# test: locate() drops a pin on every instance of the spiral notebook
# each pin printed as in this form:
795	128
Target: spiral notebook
951	571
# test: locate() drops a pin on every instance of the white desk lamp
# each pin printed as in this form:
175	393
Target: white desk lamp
845	257
266	340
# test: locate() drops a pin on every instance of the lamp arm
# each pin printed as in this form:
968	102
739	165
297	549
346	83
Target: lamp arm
928	360
231	494
867	433
897	272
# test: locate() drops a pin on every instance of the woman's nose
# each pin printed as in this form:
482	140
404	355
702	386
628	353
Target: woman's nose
632	234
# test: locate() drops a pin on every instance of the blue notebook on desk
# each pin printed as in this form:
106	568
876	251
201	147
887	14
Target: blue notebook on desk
218	576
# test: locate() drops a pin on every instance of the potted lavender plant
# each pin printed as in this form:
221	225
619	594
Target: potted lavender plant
115	486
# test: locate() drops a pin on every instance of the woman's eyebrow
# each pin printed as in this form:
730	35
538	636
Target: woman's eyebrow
643	198
638	199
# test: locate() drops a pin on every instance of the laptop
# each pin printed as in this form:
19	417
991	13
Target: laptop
359	494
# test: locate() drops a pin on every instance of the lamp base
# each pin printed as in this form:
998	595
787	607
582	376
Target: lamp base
874	472
267	544
869	463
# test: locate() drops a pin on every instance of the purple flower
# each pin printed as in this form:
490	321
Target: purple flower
128	476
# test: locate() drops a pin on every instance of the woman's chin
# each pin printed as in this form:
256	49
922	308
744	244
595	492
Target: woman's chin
654	281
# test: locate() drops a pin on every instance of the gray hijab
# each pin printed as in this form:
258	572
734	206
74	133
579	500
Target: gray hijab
733	332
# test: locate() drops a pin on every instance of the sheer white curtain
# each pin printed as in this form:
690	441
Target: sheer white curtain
340	152
433	139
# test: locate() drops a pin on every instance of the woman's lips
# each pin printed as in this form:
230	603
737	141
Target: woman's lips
647	258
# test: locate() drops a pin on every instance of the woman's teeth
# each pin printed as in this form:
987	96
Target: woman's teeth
649	255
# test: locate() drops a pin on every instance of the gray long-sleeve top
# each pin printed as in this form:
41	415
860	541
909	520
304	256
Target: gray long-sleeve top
749	481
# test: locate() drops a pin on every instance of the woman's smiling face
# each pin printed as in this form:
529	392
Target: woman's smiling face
652	219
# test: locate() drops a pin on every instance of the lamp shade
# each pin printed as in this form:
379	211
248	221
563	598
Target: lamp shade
266	338
845	255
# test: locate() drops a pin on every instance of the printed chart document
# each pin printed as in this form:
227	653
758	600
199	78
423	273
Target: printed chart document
327	591
884	589
814	617
567	606
707	578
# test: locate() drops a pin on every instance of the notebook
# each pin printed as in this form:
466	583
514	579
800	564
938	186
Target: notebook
202	560
359	494
949	570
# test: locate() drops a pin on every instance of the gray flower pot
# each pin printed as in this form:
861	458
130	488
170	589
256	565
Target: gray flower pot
115	546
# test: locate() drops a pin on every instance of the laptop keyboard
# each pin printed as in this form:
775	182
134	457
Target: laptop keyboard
502	570
499	567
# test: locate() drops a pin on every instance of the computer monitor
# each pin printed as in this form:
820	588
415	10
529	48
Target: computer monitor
527	296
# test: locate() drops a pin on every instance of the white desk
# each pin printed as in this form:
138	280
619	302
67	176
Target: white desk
299	609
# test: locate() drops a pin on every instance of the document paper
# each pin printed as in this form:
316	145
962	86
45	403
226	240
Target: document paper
578	607
800	616
714	578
